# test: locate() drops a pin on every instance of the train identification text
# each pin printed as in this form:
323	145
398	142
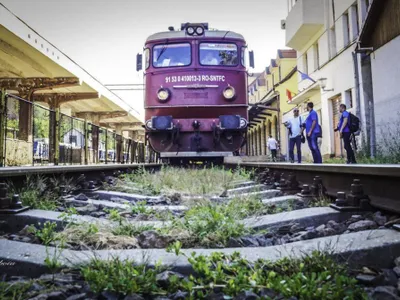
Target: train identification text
195	78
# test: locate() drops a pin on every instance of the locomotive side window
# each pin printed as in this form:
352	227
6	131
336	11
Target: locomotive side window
222	54
147	58
244	56
172	55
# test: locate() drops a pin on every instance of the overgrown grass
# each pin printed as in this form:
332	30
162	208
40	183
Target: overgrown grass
188	181
314	277
98	236
39	192
14	291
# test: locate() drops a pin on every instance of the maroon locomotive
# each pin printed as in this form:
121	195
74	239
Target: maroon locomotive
195	92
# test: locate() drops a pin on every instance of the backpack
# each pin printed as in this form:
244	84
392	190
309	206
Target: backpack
354	123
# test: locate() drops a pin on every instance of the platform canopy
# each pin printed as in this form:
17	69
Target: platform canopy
32	67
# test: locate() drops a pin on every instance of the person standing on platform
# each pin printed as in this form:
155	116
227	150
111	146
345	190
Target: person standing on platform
272	146
295	135
345	133
313	132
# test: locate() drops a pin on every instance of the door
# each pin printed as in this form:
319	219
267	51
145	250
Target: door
335	117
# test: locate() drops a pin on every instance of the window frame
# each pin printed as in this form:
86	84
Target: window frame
243	54
217	42
168	44
147	58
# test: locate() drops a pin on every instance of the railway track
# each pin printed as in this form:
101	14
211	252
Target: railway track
379	182
280	221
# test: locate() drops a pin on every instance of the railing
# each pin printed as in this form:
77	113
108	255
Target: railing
31	134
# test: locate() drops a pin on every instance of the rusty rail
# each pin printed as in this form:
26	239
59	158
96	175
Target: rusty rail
379	183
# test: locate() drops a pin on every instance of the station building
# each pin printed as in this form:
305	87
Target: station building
47	84
271	102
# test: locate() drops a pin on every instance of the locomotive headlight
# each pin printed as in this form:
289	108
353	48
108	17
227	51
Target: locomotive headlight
190	30
229	93
163	94
243	123
199	30
149	124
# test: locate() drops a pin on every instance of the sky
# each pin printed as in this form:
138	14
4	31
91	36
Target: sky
104	36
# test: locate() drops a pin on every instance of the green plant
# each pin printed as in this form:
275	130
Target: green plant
313	277
52	261
47	234
209	225
15	290
141	208
35	193
119	276
114	215
129	229
204	181
67	215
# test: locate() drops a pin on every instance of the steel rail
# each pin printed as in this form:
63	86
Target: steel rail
381	183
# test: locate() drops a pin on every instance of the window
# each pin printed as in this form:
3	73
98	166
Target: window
346	29
354	22
73	139
305	63
333	42
316	56
349	98
244	56
171	55
147	58
223	54
280	73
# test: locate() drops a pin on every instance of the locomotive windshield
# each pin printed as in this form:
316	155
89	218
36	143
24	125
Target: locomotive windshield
171	55
222	54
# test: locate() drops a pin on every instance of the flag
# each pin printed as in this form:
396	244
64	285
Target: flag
289	94
305	76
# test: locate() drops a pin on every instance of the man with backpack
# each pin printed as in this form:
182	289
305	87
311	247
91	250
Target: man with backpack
295	135
348	124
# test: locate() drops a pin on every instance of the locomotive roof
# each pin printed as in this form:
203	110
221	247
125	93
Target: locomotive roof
182	34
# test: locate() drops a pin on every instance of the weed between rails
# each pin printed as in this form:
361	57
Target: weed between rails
316	276
187	181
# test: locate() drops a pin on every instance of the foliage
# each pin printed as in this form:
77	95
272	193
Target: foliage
120	276
204	181
129	229
47	234
15	290
209	225
114	215
36	193
313	277
52	261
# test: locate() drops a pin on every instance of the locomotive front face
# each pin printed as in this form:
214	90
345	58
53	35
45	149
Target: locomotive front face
196	95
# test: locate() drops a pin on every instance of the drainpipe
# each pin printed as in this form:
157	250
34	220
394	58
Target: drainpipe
357	83
368	95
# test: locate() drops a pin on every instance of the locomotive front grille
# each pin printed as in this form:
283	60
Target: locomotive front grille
195	95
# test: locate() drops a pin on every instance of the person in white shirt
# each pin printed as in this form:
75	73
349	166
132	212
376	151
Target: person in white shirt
295	135
272	146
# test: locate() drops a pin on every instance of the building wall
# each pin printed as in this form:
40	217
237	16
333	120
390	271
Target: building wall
386	75
328	54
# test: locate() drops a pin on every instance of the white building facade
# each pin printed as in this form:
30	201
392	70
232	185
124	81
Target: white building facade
325	35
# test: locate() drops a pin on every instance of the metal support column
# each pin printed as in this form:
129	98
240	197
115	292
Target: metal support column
86	126
106	148
57	138
3	124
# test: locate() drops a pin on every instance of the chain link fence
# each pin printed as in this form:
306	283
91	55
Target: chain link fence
32	135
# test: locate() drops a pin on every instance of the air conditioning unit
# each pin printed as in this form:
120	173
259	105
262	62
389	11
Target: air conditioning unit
283	24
